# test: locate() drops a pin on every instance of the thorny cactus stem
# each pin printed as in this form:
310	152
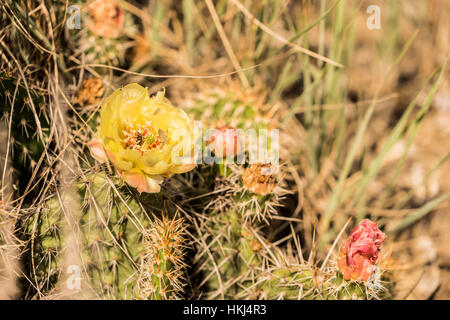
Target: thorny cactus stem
232	253
239	253
126	253
111	224
357	276
25	115
231	236
306	282
162	266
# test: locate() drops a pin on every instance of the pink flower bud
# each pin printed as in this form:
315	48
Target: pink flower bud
106	18
225	142
360	253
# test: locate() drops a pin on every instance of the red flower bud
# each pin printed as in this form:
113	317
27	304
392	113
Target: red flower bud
360	253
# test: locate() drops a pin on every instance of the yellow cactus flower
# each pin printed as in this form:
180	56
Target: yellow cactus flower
145	138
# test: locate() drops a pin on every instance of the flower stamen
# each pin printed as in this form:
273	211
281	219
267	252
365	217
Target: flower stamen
142	136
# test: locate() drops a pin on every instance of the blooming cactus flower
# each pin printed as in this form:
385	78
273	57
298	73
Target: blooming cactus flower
106	18
360	253
145	138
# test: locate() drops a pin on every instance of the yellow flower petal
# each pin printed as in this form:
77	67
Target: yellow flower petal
145	137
